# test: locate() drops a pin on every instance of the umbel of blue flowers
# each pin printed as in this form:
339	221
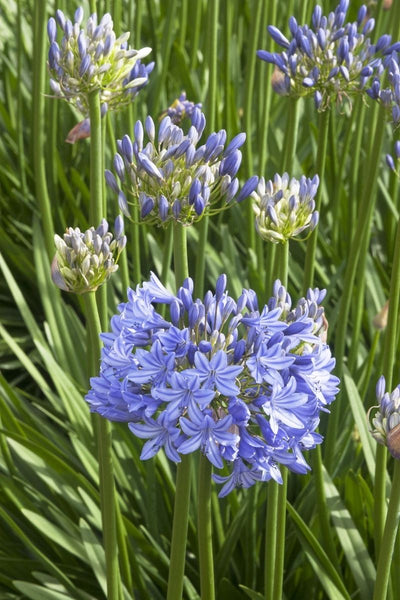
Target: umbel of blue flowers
331	59
170	179
243	384
92	58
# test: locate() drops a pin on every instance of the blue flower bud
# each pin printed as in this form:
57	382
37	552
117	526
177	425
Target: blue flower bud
317	99
293	26
147	206
111	181
150	129
278	36
149	166
232	189
138	133
199	205
176	209
220	286
78	16
361	14
52	30
60	17
231	164
235	143
205	346
163	207
248	188
127	148
369	26
390	162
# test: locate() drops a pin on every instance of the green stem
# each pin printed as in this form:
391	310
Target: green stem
204	529
363	228
180	254
96	213
38	126
135	226
289	147
280	535
388	363
107	487
270	540
179	530
320	168
212	30
282	263
389	537
183	471
248	113
20	124
166	45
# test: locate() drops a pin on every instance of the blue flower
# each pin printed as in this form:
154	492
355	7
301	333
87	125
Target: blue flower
243	385
216	373
207	434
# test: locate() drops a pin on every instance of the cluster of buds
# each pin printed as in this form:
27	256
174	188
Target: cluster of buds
181	108
85	260
93	59
169	179
386	422
388	96
285	208
330	59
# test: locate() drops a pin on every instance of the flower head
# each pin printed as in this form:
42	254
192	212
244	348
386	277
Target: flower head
284	207
243	385
181	108
385	87
329	59
85	260
386	421
92	58
170	179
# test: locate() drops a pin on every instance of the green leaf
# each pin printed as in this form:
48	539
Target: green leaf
367	441
323	567
356	553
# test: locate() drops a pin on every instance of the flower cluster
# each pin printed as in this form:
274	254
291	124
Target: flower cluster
243	384
285	208
85	260
386	422
331	58
172	180
388	96
181	108
91	59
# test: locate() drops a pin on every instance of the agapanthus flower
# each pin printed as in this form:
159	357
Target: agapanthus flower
181	108
171	179
285	208
386	420
85	260
243	385
330	59
385	88
92	58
